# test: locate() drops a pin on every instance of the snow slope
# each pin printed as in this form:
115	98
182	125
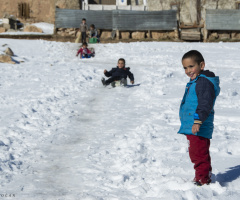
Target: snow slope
64	136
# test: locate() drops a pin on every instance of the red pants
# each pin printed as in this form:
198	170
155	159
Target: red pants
200	156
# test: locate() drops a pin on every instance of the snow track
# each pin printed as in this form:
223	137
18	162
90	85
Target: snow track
64	136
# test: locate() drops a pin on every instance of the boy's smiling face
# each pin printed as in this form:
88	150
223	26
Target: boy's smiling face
121	64
192	68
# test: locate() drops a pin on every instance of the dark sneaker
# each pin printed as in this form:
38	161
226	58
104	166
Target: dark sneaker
199	183
104	82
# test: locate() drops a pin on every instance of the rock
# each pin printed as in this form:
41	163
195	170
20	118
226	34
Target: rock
32	28
9	52
106	35
63	34
235	35
125	35
138	35
213	36
6	26
6	59
159	35
172	35
71	33
2	30
224	36
5	21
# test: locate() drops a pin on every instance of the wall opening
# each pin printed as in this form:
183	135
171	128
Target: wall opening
23	10
238	5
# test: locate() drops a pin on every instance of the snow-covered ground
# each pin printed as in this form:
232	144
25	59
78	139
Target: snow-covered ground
64	136
46	28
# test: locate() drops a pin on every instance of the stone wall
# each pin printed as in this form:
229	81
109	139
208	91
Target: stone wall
40	11
68	4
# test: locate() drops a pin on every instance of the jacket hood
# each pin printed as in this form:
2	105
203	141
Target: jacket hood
215	81
124	68
208	73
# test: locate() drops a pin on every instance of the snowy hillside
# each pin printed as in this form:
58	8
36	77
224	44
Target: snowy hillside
64	136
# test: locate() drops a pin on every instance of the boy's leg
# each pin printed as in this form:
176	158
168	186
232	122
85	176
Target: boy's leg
110	80
83	37
200	156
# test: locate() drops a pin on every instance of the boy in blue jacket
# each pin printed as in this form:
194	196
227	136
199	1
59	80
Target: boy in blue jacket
118	73
197	113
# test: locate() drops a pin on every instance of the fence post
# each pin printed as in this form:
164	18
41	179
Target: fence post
149	34
117	34
205	32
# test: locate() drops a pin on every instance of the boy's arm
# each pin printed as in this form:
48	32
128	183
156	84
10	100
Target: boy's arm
79	51
131	77
108	73
205	94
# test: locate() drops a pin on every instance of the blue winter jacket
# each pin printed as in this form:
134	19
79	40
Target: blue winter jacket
198	103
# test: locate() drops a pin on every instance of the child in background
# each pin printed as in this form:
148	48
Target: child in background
93	32
118	73
85	52
197	113
83	30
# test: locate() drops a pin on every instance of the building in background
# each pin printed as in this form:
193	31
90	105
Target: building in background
191	14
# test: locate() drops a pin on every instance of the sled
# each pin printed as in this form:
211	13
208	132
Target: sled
119	83
93	40
90	55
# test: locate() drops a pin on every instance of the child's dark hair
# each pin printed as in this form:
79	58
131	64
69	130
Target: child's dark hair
92	26
195	55
83	19
122	59
84	44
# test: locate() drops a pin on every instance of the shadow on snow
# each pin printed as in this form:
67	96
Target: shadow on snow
232	174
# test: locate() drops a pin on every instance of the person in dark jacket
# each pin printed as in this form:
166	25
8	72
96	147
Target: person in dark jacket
197	113
118	73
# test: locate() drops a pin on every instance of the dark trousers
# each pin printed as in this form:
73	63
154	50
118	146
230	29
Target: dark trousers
115	78
84	35
200	157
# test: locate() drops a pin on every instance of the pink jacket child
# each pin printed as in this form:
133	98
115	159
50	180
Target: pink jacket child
85	52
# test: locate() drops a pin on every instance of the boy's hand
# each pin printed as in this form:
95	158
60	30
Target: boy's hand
132	82
105	71
195	128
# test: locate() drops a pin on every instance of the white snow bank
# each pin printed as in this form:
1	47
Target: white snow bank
47	28
65	136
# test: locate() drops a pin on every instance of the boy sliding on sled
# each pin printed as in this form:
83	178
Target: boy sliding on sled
197	113
119	73
85	52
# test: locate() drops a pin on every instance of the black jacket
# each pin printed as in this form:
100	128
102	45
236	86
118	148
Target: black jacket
205	94
120	72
